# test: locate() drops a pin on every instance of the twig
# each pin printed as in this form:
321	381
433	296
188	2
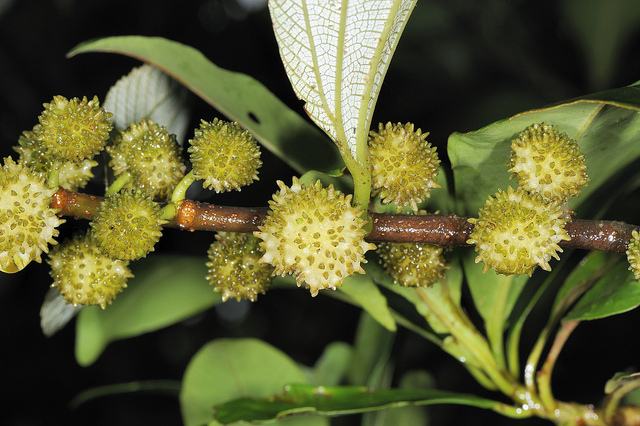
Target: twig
445	230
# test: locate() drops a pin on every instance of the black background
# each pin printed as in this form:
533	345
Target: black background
460	65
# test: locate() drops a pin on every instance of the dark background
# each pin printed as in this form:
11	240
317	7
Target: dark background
460	65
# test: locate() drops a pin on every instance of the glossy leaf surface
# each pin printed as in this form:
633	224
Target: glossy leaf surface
159	295
616	292
226	369
326	400
238	96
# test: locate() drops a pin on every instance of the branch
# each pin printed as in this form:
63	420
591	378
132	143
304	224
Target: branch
445	230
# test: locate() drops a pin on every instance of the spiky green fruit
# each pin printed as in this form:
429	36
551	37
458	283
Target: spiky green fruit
548	162
73	130
413	264
516	231
234	266
128	225
85	276
633	254
314	234
404	166
224	155
151	155
73	176
27	223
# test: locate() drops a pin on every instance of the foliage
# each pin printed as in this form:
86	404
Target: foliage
336	64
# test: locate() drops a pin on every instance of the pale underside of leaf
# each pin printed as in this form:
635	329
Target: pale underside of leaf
336	54
148	93
56	312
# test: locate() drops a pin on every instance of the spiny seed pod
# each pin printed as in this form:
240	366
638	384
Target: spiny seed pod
404	165
413	264
73	176
547	162
73	130
235	269
315	234
224	155
85	276
128	225
516	231
27	223
151	155
633	254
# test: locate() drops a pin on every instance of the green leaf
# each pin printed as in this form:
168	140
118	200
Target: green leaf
410	414
332	366
583	277
605	124
336	55
227	369
238	96
365	293
158	296
371	352
339	400
616	292
146	92
494	295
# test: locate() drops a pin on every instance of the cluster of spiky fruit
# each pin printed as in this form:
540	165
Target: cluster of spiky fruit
520	229
73	130
235	269
315	234
404	166
633	254
27	222
224	155
150	156
413	264
548	163
72	175
84	275
128	225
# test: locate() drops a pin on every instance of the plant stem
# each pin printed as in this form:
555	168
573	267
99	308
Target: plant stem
118	184
441	229
544	375
470	338
180	191
53	179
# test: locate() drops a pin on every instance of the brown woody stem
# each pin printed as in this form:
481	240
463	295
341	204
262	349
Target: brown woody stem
446	230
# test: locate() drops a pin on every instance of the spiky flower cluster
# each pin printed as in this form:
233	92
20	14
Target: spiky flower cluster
548	163
72	175
128	225
27	223
517	231
73	130
404	165
633	254
413	264
151	155
85	276
235	269
315	234
224	155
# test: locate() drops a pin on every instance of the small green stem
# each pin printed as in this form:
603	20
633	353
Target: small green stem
53	179
544	376
469	337
169	212
180	191
118	184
